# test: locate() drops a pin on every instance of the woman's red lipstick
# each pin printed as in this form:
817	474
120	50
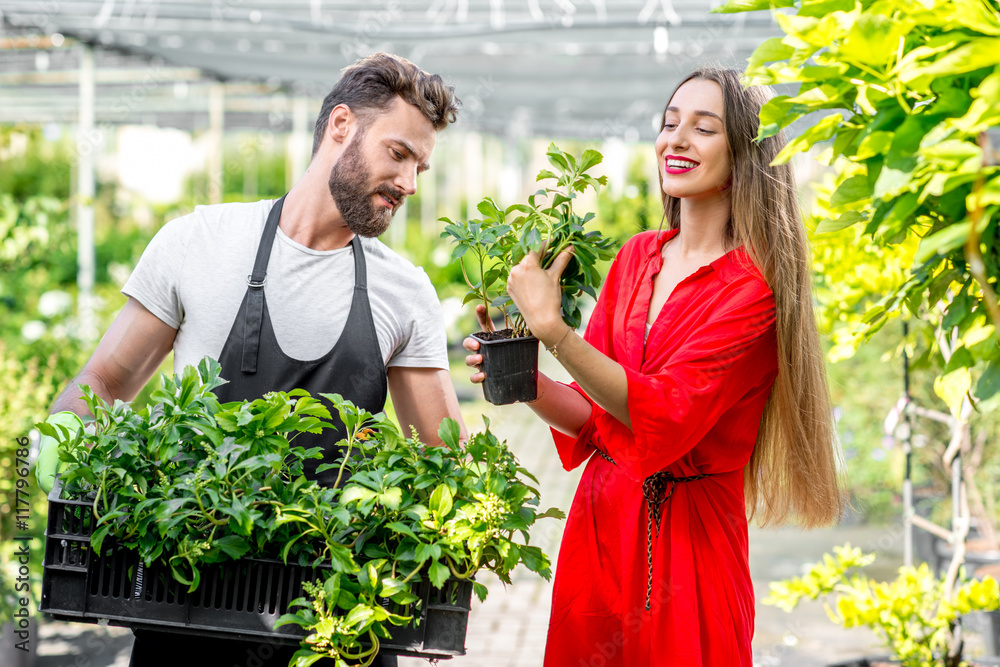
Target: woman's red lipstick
677	169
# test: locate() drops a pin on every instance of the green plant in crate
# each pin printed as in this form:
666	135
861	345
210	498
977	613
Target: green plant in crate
547	224
420	511
912	615
188	482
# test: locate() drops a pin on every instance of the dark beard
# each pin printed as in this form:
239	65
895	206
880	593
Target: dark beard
350	187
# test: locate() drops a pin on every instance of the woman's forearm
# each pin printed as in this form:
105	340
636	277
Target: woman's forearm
560	406
602	378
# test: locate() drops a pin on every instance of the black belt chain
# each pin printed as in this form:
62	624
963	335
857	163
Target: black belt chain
656	490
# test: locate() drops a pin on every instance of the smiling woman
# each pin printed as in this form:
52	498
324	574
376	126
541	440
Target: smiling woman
699	399
692	142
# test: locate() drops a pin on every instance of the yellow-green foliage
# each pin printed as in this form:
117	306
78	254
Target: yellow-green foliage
900	94
911	614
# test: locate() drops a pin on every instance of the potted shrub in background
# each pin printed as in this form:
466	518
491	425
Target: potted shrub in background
547	224
913	615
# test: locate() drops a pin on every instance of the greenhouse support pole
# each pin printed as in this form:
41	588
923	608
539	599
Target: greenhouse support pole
299	141
473	161
427	189
87	144
908	508
216	117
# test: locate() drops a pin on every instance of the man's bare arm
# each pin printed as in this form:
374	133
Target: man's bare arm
131	350
422	397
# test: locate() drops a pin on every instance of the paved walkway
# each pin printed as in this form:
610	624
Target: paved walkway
508	630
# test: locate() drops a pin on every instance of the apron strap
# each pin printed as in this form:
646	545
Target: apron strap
360	268
255	291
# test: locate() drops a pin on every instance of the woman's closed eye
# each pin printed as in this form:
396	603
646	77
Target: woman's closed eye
703	130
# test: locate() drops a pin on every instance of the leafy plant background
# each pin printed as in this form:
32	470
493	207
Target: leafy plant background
911	614
900	101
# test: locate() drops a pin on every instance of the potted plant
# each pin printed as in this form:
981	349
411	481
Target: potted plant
913	615
548	225
193	496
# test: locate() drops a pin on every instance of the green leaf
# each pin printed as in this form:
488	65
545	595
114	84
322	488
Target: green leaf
449	431
424	552
989	382
354	492
819	8
876	143
851	190
977	54
943	242
341	559
821	131
843	222
441	501
952	388
953	149
439	574
480	590
770	50
557	158
960	358
534	559
391	498
589	159
489	208
290	619
233	546
736	6
891	182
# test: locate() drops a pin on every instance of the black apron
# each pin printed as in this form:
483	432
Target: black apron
255	364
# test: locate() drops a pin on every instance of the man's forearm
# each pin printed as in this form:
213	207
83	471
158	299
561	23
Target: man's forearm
71	398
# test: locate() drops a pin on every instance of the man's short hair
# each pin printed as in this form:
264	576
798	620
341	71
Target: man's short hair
370	85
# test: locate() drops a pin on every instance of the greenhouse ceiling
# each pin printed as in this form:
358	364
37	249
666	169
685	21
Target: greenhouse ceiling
596	68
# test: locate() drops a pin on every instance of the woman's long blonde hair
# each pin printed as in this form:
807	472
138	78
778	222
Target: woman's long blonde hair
792	473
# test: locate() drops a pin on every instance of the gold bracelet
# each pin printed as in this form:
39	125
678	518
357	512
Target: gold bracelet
553	350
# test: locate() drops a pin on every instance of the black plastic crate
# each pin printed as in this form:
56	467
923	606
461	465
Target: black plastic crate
235	600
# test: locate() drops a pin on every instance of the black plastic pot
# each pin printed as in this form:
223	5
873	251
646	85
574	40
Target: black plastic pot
987	624
511	368
973	559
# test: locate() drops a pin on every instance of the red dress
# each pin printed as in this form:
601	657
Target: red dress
696	394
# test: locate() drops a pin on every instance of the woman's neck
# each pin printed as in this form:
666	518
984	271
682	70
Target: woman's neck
703	226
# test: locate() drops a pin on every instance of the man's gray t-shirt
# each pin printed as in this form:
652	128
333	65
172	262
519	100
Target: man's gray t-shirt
193	276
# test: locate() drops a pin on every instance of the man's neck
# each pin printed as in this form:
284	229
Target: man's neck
310	217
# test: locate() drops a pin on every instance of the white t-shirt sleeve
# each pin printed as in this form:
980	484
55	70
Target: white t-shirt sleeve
155	282
424	344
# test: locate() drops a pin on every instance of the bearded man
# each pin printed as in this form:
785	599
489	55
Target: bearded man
343	313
